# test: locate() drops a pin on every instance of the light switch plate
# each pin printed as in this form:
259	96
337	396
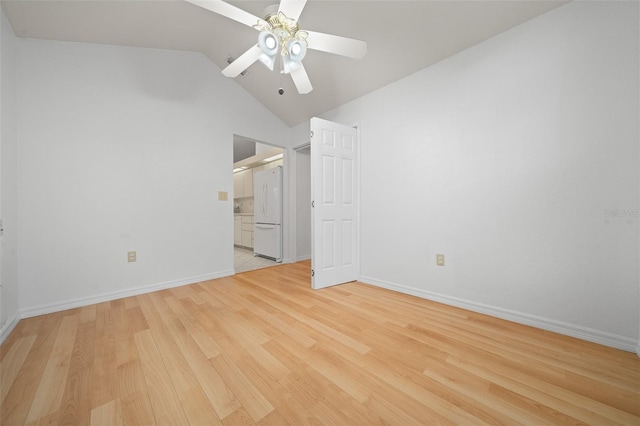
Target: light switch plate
223	196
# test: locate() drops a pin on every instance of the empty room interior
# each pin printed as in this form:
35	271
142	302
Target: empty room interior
435	219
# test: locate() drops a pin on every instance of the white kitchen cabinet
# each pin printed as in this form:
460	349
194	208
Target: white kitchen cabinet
237	230
247	179
238	184
243	180
247	239
243	184
272	164
247	231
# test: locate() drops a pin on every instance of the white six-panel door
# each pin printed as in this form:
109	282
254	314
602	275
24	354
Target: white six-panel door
334	203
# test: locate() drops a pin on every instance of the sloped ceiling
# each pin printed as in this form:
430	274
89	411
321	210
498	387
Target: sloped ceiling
402	36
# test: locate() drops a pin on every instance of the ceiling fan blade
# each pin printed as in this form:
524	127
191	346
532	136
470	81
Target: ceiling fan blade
225	9
292	8
335	44
301	80
243	62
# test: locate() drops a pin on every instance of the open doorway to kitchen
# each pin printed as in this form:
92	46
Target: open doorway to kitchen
249	157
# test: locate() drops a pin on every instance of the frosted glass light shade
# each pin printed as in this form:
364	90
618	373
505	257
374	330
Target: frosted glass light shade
268	43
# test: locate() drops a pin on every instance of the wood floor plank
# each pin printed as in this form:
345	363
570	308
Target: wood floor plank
475	390
136	405
249	396
315	393
241	343
164	399
239	417
123	330
46	402
274	418
430	401
12	363
88	314
176	340
279	396
263	348
271	316
208	345
531	407
586	410
318	326
388	412
105	364
171	341
516	345
218	392
109	414
198	408
340	372
17	403
202	392
76	402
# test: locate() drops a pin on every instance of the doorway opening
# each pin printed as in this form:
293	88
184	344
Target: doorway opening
250	157
302	190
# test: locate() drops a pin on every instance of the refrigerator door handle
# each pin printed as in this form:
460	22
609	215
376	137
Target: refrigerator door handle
264	226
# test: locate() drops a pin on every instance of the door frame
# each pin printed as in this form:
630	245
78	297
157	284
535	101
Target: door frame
293	240
286	158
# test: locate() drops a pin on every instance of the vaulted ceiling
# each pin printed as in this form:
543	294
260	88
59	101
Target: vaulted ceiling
402	36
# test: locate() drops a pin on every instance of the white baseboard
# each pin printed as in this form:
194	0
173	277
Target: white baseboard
580	332
8	327
106	297
301	258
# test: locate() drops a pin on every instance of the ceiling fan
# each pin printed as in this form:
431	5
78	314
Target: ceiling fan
281	38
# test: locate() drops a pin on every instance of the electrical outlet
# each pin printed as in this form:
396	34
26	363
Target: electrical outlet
223	196
131	256
440	259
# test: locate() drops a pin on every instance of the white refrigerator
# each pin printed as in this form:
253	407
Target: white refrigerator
267	211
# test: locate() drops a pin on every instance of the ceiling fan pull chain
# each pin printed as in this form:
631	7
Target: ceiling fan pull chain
281	89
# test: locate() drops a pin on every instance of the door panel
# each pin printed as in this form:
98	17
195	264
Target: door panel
334	215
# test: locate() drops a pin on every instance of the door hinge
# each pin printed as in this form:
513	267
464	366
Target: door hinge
313	272
313	204
312	133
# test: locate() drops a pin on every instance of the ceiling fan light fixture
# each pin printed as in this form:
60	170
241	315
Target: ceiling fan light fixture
297	49
292	59
268	43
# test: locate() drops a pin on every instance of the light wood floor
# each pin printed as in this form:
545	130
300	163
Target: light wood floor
262	347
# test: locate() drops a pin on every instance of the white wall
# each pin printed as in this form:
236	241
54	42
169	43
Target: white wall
9	314
125	149
508	158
